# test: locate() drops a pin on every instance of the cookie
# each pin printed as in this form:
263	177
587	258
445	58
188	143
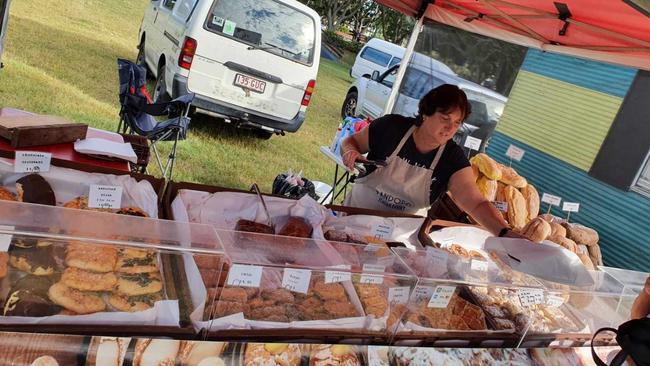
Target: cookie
96	258
75	300
88	281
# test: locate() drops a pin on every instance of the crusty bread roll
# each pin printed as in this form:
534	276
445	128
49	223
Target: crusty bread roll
595	254
510	177
565	242
475	171
581	234
488	188
532	200
517	211
557	229
501	197
537	230
487	166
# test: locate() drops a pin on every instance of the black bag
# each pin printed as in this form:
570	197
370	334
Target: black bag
283	188
633	337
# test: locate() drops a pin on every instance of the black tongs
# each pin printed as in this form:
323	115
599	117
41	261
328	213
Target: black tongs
361	162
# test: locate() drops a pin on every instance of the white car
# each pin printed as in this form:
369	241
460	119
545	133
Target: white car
368	96
252	62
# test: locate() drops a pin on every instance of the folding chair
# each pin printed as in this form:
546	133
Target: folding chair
137	113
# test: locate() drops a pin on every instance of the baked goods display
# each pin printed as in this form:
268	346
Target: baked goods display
78	278
334	355
156	352
413	356
459	314
272	354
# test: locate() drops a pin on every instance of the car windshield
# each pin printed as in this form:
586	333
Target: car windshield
487	105
266	24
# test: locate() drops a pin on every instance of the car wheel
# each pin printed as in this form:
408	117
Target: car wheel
140	61
160	90
350	105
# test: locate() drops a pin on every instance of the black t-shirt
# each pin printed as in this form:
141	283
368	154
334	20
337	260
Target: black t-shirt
386	132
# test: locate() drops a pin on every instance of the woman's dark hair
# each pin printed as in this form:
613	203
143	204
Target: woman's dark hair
444	98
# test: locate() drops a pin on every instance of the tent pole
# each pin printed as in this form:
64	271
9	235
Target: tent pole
403	64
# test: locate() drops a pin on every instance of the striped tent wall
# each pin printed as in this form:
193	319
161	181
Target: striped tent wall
559	111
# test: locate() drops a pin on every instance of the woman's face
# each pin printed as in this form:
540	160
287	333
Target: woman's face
442	126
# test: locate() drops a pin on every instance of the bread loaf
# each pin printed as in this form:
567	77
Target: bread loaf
488	188
586	261
595	255
565	242
517	211
581	234
501	197
532	200
557	229
476	172
510	177
487	166
537	230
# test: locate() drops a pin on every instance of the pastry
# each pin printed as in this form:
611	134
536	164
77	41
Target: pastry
486	166
75	300
532	200
487	187
517	211
156	352
272	354
194	353
235	294
6	195
510	177
45	361
29	303
132	211
224	308
537	230
334	355
210	277
33	188
205	261
581	234
133	303
139	262
296	226
80	202
138	283
88	281
96	258
109	351
36	261
253	227
4	258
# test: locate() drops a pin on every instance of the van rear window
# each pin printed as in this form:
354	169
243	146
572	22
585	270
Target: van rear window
376	56
270	25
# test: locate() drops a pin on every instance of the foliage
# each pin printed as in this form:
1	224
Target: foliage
334	39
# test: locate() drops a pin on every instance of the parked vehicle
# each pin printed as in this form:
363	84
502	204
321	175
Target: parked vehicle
4	17
251	62
368	96
380	55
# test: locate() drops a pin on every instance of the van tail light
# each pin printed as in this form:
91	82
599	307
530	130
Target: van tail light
187	53
308	92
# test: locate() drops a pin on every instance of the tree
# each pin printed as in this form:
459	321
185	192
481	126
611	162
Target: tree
395	26
335	12
365	15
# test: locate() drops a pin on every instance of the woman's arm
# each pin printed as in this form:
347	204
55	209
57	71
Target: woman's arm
641	305
462	186
353	147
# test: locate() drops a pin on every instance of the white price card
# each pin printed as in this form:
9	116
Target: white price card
374	268
441	296
244	275
341	266
501	206
515	153
554	301
531	296
5	239
570	206
423	292
381	231
337	276
479	265
551	199
473	143
372	279
32	162
296	280
398	295
372	248
104	196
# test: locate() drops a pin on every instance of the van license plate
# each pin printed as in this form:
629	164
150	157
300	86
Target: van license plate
250	83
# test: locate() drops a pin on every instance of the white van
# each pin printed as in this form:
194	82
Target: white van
380	55
4	17
251	62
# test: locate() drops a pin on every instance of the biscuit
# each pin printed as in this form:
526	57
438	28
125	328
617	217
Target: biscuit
138	284
138	264
75	300
133	303
88	281
96	258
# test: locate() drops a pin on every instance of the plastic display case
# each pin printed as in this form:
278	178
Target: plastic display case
86	272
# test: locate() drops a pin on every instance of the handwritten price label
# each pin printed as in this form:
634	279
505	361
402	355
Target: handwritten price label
398	295
244	275
337	276
515	153
105	196
551	199
32	162
296	280
531	296
441	296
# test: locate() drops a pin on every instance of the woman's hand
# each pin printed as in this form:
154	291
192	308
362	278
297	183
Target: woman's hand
641	305
350	157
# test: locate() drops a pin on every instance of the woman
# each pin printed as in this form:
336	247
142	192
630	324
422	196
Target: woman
422	162
641	305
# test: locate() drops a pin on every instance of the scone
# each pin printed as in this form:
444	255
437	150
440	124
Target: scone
75	300
139	284
96	258
133	303
88	281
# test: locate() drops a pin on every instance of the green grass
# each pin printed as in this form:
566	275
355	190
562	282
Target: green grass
60	59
